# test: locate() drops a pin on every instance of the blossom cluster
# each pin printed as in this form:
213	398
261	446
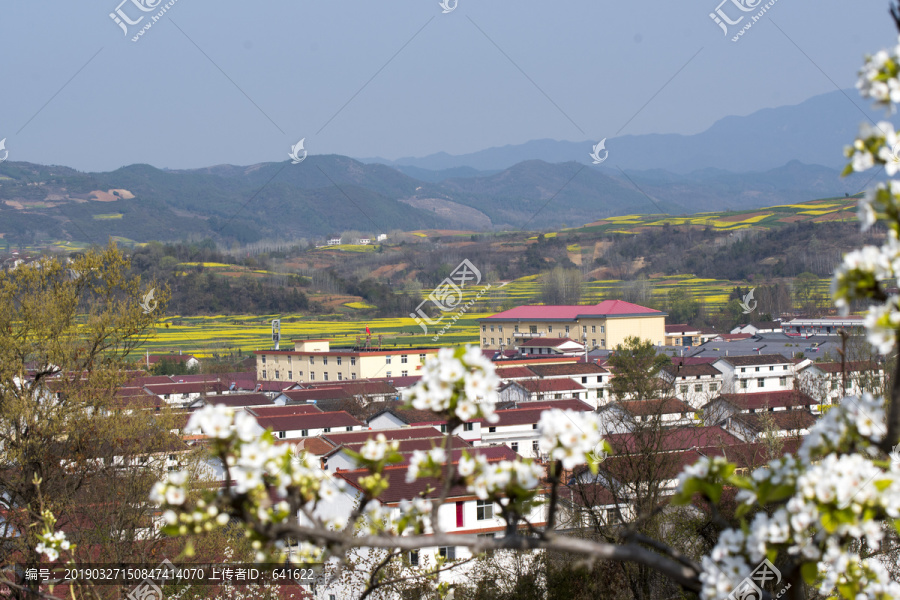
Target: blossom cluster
460	383
826	500
569	436
51	544
256	466
878	77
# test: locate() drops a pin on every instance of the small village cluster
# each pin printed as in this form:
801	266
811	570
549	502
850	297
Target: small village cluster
720	395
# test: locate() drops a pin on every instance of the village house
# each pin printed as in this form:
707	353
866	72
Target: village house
604	325
682	335
695	384
591	376
315	361
531	390
552	346
395	417
727	405
759	327
831	381
853	325
756	373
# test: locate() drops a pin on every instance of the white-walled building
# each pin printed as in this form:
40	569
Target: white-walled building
756	373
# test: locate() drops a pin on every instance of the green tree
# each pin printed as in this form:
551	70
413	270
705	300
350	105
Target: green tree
636	366
682	306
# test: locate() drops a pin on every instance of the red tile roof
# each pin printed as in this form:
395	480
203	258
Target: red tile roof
666	406
525	415
403	433
760	400
568	369
162	389
514	372
681	328
782	420
670	439
548	385
239	400
607	308
309	421
281	411
567	403
318	393
702	369
852	366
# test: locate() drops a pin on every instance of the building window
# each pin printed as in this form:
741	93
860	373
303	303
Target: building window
350	428
549	328
698	387
387	374
264	359
567	329
500	328
312	376
483	328
532	328
290	374
760	382
782	381
771	368
352	375
516	329
326	376
387	360
743	384
492	429
584	329
484	341
277	374
448	552
352	361
281	435
713	387
534	448
603	343
484	510
834	385
324	360
264	376
403	360
413	560
593	341
339	360
682	389
421	358
468	426
757	369
404	373
304	432
492	341
340	376
584	379
743	370
326	430
444	428
534	425
312	360
514	446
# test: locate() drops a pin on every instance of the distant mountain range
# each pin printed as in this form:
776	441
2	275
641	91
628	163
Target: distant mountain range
775	156
813	132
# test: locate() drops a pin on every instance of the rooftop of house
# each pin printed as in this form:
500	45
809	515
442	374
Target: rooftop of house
762	400
605	309
568	369
681	328
755	360
851	366
665	406
692	370
782	420
535	386
238	400
283	411
320	420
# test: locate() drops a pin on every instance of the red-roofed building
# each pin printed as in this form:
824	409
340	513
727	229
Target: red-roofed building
727	405
833	381
518	429
530	390
603	325
561	346
286	427
682	335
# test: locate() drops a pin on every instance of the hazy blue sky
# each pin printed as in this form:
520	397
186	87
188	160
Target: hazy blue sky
450	86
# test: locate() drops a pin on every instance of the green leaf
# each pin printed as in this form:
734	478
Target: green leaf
810	572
